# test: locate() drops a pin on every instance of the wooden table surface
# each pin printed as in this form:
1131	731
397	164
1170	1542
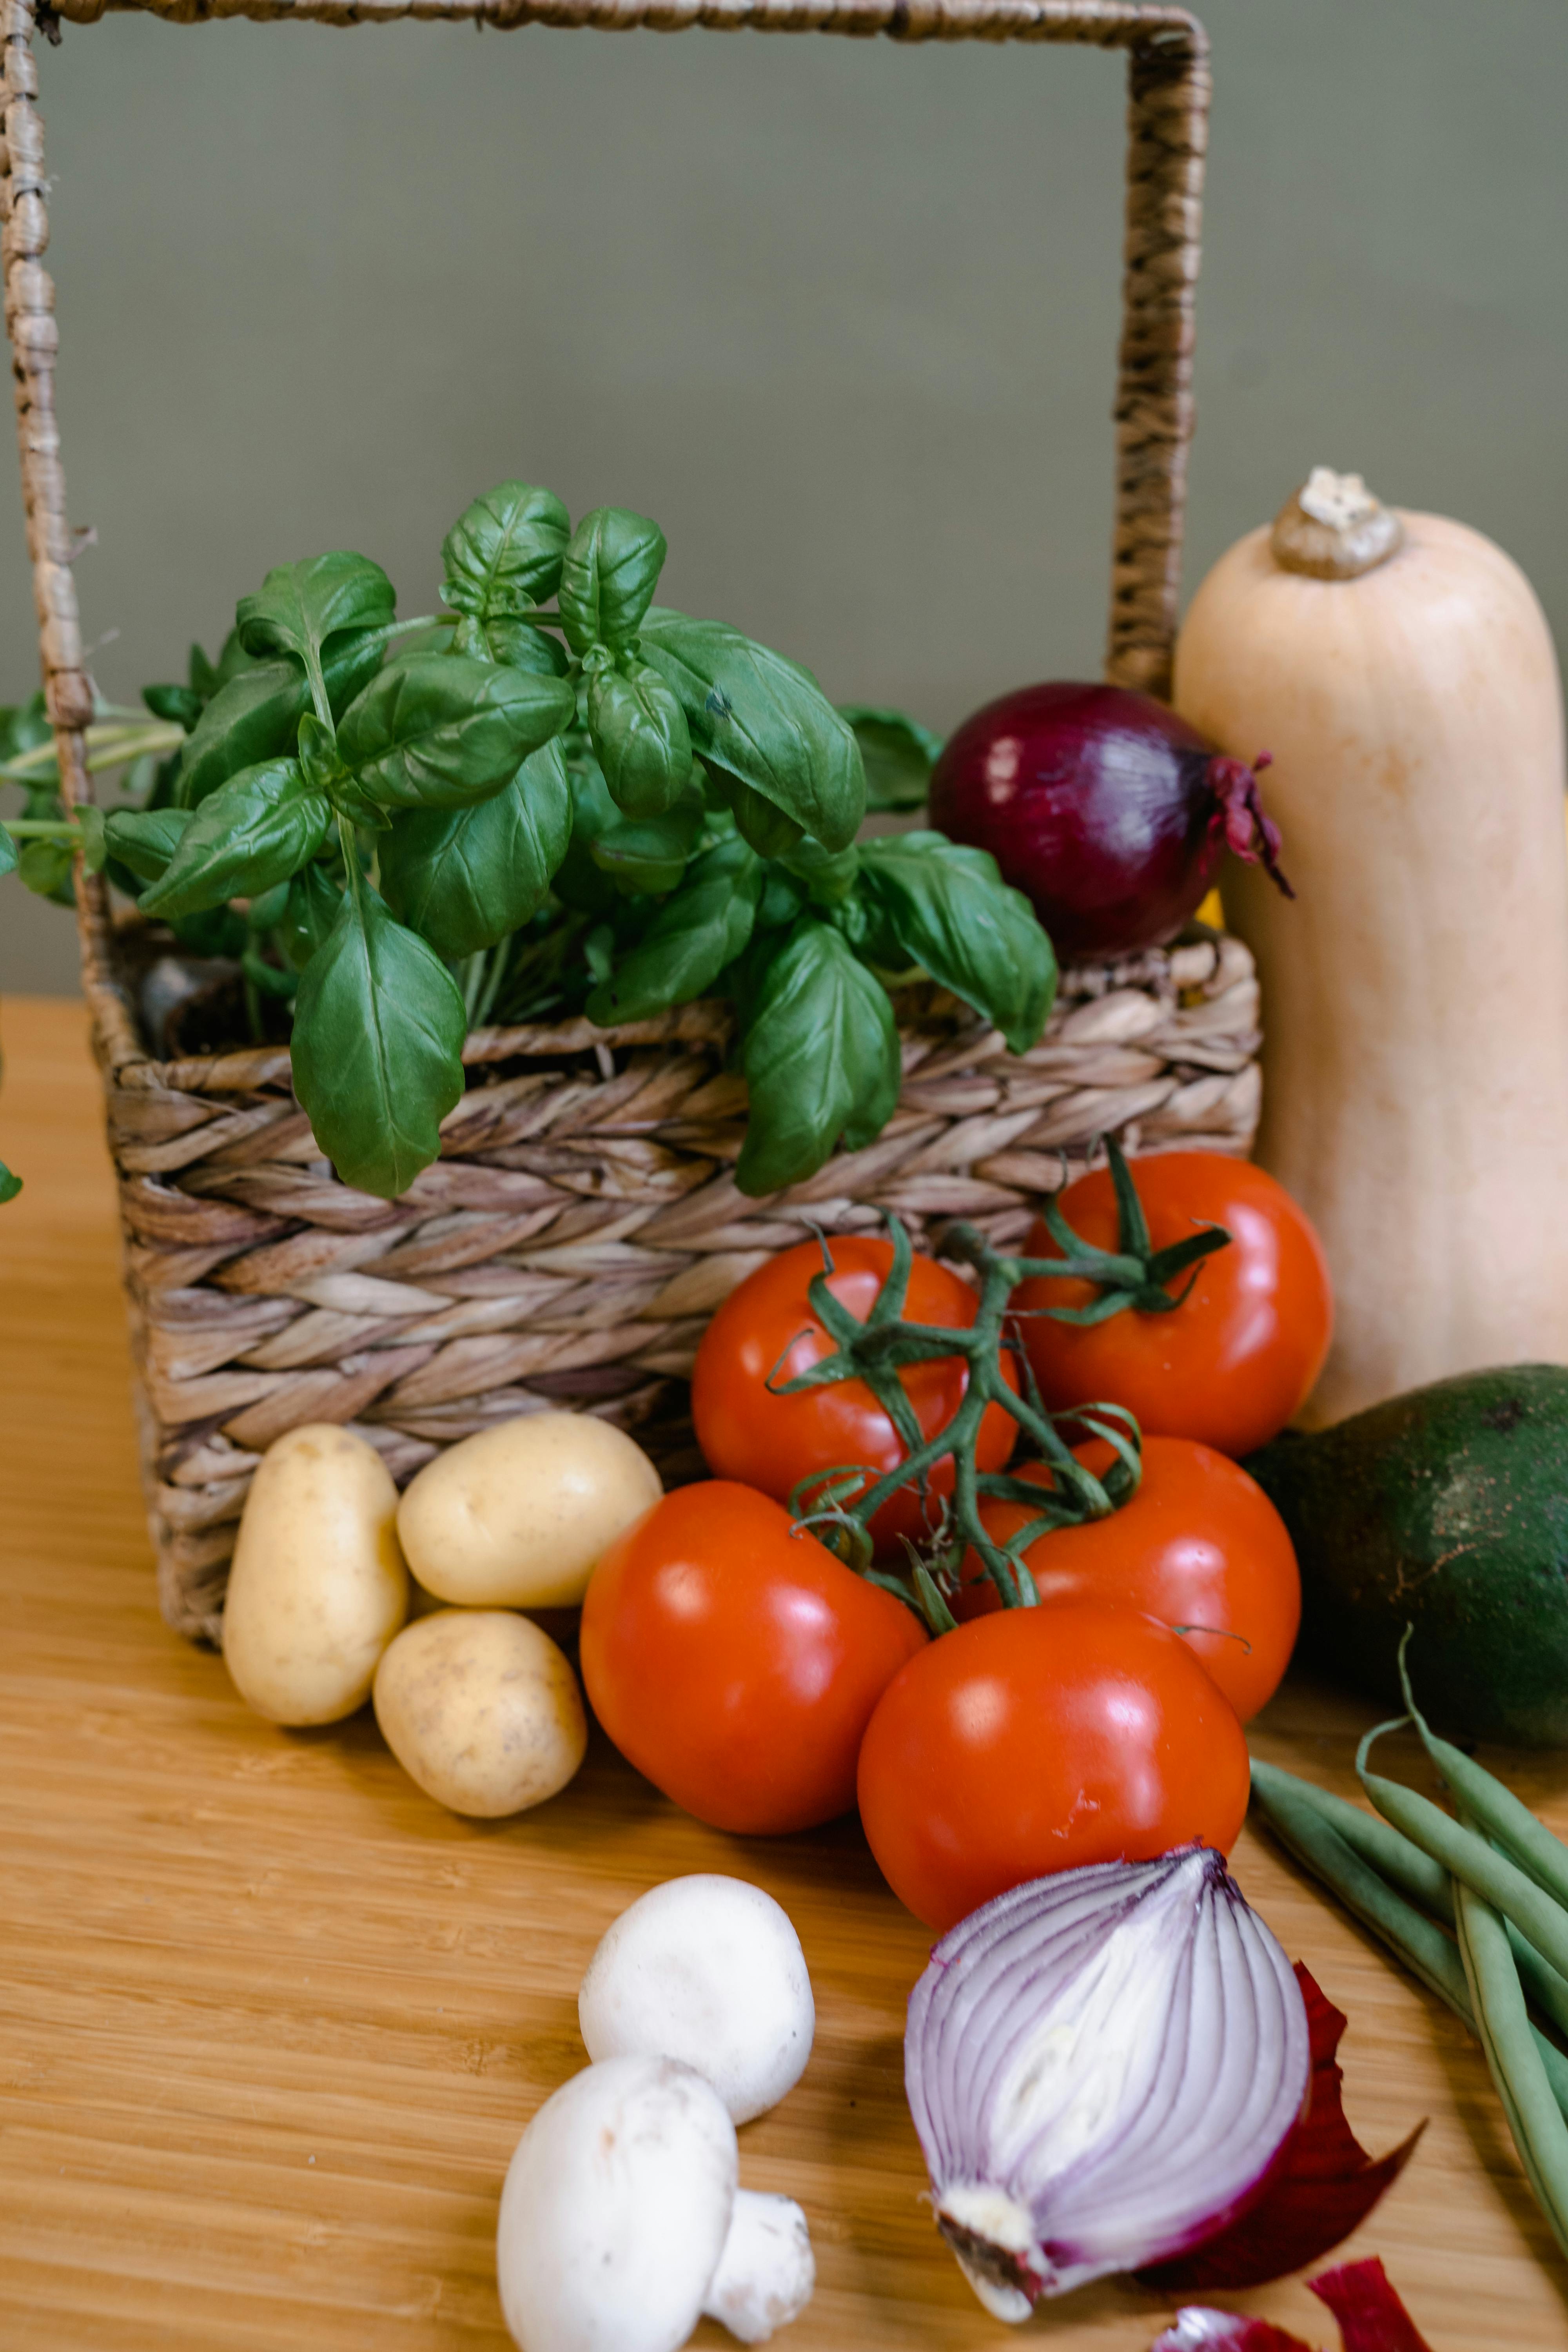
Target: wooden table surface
272	2021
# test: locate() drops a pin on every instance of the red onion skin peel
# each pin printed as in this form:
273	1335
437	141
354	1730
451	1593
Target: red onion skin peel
1322	2188
1110	813
1104	2068
1371	2317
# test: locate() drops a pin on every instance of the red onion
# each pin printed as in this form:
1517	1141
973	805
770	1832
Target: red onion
1102	2067
1110	813
1371	2316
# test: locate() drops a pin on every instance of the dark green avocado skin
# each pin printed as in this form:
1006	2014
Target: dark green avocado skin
1446	1509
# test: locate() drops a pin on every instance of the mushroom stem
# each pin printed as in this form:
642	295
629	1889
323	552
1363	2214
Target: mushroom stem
766	2272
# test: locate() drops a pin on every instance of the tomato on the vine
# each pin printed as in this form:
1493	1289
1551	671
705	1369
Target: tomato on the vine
1199	1547
735	1662
1239	1357
766	1329
1040	1739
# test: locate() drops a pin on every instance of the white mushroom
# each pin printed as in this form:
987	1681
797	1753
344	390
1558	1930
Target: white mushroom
766	2272
709	1971
621	2223
616	2208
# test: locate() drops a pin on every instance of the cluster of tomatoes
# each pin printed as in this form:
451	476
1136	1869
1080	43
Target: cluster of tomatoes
765	1687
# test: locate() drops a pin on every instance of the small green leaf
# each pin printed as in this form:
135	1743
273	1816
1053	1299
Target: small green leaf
951	912
299	605
10	1183
310	915
255	715
89	825
145	839
647	854
828	874
607	580
180	704
441	730
762	719
46	867
24	726
898	753
266	911
519	647
464	879
770	832
821	1060
318	758
503	553
705	926
377	1046
639	734
578	884
7	853
253	832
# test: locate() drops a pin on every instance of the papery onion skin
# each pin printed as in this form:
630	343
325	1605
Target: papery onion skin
1099	2065
1101	805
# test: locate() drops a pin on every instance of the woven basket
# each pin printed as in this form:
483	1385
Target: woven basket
582	1221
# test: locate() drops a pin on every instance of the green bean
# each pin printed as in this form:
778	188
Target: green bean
1467	1856
1512	1825
1306	1831
1416	1874
1496	1997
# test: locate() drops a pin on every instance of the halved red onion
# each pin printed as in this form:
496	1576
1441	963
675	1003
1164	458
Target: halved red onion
1102	2067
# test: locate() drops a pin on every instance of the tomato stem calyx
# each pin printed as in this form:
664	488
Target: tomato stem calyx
1135	1274
840	1504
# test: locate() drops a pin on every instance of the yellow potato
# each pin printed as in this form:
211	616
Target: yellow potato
317	1587
517	1517
481	1709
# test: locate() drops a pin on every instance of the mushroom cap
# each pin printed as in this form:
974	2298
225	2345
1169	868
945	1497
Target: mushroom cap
616	2208
706	1970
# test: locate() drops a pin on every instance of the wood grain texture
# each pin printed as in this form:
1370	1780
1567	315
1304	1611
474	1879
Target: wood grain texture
272	2022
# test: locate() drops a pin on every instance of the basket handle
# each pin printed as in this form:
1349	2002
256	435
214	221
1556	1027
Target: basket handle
1168	94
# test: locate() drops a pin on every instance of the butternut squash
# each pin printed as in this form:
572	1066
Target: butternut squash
1415	995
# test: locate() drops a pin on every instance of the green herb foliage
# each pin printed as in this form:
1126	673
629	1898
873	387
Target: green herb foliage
401	830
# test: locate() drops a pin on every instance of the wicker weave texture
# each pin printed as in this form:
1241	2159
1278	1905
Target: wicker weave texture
582	1221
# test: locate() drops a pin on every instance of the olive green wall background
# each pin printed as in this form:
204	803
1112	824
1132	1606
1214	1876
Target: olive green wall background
841	315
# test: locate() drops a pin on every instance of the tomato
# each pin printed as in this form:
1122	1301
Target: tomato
774	1442
1199	1544
1038	1740
1238	1359
736	1661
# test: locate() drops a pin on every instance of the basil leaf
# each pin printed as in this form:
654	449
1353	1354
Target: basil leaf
299	605
253	832
519	647
256	714
310	915
10	1185
821	1060
464	879
898	754
693	936
265	911
180	703
377	1046
829	874
608	577
951	911
639	734
648	855
763	720
46	868
503	553
441	730
24	725
578	884
7	853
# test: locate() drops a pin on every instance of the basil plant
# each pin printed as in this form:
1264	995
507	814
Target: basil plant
403	830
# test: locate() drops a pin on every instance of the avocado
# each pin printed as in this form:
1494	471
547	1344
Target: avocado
1446	1509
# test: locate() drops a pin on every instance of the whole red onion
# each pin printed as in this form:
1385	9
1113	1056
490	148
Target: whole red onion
1110	813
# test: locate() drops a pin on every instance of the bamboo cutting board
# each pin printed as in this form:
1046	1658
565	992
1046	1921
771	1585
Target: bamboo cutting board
272	2022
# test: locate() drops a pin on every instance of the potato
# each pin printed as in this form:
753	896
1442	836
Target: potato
517	1517
481	1709
317	1587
